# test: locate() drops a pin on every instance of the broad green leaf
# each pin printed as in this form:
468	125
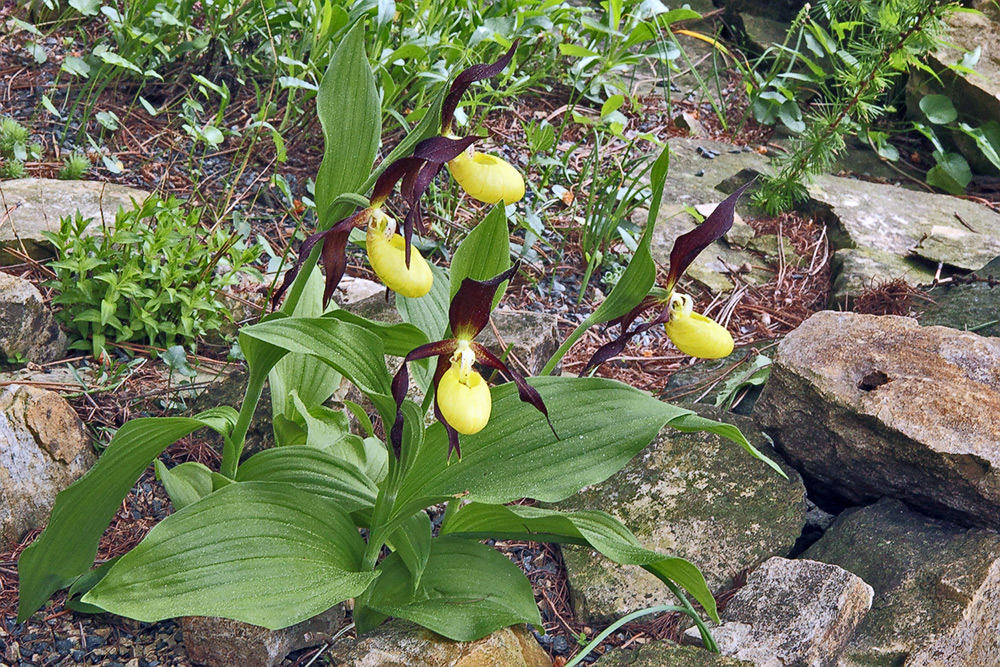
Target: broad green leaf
82	511
312	470
938	109
595	529
264	553
83	585
467	591
601	425
186	483
429	313
350	112
484	253
639	275
412	541
313	383
398	339
694	423
352	350
952	173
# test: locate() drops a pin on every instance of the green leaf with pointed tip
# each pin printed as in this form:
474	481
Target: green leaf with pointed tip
83	510
601	425
467	591
186	483
350	112
412	541
639	275
313	470
265	553
352	350
484	253
595	529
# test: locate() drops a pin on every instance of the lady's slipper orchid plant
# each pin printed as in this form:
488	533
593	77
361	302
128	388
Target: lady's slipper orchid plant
691	332
463	402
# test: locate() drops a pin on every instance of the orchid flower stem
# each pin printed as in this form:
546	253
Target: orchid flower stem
231	455
617	624
706	636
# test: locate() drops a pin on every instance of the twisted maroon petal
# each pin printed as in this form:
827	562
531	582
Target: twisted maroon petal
401	382
527	393
466	78
615	347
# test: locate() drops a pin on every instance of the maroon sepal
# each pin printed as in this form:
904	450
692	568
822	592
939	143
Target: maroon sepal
615	347
401	382
400	169
470	309
466	78
442	149
413	189
334	242
527	393
688	246
628	318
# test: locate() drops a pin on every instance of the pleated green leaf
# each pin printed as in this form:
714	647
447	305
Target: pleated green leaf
264	553
484	253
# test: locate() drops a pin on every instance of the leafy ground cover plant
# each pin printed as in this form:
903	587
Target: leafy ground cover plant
275	539
154	276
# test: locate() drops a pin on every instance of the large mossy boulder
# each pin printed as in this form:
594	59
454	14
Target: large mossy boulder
694	495
937	587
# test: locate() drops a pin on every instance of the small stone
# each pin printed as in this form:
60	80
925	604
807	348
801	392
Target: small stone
399	643
221	642
792	612
78	655
27	328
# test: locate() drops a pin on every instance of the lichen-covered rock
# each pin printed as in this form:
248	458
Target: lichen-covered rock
971	306
663	653
27	328
858	268
886	218
43	449
35	205
693	495
868	406
223	642
400	643
937	587
792	612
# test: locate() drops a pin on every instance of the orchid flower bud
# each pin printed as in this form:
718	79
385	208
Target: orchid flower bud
695	334
487	178
387	255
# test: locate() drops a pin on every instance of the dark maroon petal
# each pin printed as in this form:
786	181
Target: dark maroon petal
470	309
615	347
527	393
442	149
401	382
688	246
628	318
466	79
413	189
442	366
392	174
290	274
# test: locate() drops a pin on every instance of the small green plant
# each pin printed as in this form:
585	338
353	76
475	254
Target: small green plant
153	277
15	149
75	167
12	169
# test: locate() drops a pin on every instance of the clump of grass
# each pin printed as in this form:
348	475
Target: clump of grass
75	167
12	169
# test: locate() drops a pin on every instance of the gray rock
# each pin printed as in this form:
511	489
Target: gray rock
35	205
229	389
937	587
400	643
857	268
968	306
223	642
867	406
792	612
662	653
783	10
693	495
706	378
43	449
27	328
897	221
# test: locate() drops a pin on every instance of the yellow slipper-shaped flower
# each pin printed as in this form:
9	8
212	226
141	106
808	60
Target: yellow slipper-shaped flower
387	255
695	334
487	178
465	404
